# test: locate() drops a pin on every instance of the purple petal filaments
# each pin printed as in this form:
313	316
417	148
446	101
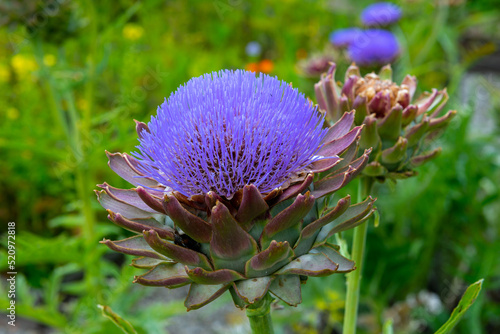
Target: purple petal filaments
222	131
374	47
381	14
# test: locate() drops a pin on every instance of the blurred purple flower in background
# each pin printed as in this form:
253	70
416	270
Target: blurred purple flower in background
345	37
253	49
374	47
381	14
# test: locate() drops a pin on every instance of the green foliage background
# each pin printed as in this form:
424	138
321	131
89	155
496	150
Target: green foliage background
72	81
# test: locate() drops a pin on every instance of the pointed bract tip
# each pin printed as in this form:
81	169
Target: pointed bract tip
148	233
332	68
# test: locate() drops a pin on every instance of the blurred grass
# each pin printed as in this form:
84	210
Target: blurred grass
71	85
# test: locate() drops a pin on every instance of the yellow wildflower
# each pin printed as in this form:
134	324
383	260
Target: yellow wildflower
132	31
12	113
23	65
4	73
49	60
82	104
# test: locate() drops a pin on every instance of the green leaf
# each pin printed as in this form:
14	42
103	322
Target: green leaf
388	328
40	314
38	250
53	285
376	218
123	324
465	303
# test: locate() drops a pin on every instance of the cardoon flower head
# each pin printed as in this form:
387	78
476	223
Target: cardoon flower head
374	47
345	37
261	132
222	152
381	14
396	126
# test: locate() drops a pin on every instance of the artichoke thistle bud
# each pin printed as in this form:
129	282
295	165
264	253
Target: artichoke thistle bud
229	204
396	126
315	65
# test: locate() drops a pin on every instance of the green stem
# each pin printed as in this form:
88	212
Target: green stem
354	277
75	137
260	317
84	171
87	110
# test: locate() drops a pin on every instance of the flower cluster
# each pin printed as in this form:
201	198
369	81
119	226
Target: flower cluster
395	125
373	46
227	176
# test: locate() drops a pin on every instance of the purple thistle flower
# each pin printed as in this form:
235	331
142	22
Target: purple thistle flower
345	37
239	146
374	47
381	14
222	131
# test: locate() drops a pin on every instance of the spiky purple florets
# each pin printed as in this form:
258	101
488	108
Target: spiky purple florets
221	131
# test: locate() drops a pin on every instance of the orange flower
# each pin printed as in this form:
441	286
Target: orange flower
252	67
266	66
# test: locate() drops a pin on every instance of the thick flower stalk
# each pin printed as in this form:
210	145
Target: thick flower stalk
396	126
227	179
